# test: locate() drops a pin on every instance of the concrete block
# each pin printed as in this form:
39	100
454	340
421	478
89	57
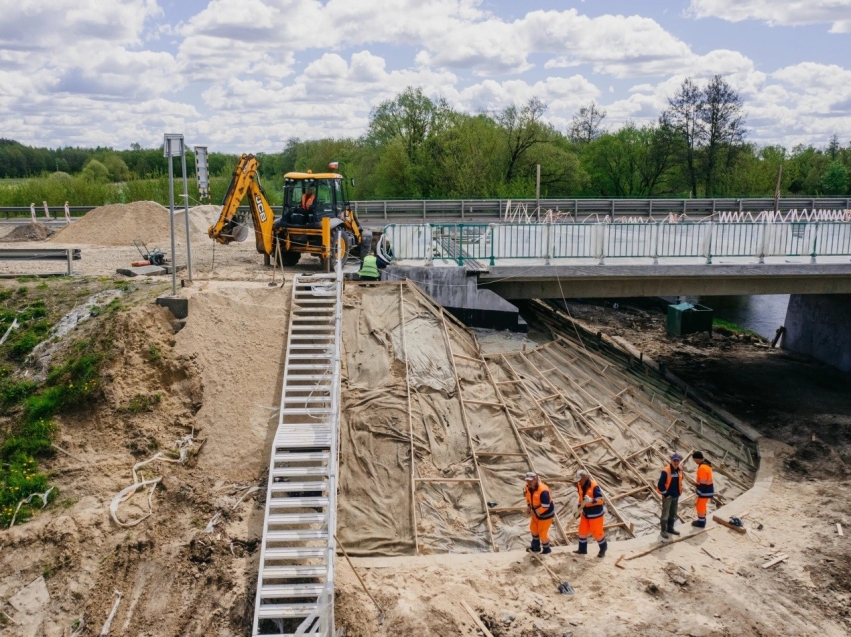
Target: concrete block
178	306
145	270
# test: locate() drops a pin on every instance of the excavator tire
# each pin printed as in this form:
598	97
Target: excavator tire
289	259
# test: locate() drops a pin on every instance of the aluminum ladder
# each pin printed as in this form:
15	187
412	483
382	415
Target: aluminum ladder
295	585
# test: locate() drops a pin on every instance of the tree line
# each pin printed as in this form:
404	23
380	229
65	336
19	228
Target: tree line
418	147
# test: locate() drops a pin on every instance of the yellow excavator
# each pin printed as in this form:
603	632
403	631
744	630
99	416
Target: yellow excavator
316	217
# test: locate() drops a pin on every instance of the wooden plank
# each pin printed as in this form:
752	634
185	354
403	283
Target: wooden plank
476	619
618	562
839	529
629	493
780	558
658	546
709	554
738	529
446	480
410	420
585	444
483	402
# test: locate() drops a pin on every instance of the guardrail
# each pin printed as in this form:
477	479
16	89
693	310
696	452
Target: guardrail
528	210
525	210
68	255
490	243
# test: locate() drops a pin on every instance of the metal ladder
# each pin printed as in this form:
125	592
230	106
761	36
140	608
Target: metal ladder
295	585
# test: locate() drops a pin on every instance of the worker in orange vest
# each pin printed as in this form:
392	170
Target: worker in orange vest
671	487
705	489
542	510
307	201
593	513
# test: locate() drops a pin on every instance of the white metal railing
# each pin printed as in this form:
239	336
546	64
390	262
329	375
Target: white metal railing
490	243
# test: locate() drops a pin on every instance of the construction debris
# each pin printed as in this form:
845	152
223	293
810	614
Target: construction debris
31	598
774	562
733	527
659	546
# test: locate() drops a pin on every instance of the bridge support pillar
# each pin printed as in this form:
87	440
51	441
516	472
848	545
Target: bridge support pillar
819	325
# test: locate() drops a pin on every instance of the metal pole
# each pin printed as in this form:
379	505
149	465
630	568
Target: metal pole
538	190
186	213
171	218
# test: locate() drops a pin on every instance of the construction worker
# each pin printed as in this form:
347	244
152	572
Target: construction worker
542	510
369	270
592	516
308	199
670	486
705	489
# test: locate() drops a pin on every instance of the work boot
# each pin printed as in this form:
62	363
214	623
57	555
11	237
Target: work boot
535	547
582	549
546	550
602	552
672	530
665	530
699	523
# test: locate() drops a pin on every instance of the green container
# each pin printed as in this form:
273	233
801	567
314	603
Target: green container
685	318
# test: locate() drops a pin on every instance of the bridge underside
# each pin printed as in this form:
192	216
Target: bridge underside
542	282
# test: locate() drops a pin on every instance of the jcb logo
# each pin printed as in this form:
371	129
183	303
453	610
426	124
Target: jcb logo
260	209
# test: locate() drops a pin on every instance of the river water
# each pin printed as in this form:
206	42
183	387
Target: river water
762	314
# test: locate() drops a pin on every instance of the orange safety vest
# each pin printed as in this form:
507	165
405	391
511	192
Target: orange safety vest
668	471
307	201
705	487
592	510
533	499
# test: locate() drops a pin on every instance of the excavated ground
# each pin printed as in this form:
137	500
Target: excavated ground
220	375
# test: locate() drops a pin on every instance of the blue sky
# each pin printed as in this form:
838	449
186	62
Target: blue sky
246	75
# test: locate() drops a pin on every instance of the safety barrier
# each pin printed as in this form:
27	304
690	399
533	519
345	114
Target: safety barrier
491	243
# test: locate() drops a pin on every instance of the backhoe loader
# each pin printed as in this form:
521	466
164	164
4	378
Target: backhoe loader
316	217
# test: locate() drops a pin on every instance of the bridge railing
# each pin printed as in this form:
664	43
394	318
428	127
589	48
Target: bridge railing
489	244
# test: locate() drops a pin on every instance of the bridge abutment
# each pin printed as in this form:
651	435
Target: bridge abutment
456	289
819	325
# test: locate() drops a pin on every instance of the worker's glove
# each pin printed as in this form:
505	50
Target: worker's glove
588	499
528	510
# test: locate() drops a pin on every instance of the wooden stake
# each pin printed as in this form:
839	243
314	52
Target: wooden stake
476	619
362	583
839	529
618	562
410	421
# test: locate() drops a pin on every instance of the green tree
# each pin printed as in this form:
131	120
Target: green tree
95	171
586	125
116	168
411	117
835	179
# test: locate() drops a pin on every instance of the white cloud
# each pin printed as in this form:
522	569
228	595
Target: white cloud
837	13
251	73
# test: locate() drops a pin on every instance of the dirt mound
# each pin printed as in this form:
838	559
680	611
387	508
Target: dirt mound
30	232
118	224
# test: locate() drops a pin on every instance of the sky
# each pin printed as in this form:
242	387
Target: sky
247	75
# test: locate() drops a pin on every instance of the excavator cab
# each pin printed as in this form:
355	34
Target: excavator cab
327	190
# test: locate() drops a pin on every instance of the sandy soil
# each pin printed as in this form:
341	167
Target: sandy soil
219	375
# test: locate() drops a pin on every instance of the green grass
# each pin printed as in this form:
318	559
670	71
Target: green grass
29	408
734	329
81	192
141	403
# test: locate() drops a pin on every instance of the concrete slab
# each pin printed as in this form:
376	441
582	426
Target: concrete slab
178	306
31	597
145	270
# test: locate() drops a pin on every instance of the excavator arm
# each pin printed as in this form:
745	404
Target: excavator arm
228	228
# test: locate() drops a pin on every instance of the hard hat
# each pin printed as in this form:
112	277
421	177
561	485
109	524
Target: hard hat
676	456
581	474
531	476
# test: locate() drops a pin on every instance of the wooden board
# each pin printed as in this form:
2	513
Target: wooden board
476	619
775	561
738	529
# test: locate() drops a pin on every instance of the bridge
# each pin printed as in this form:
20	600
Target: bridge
476	269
